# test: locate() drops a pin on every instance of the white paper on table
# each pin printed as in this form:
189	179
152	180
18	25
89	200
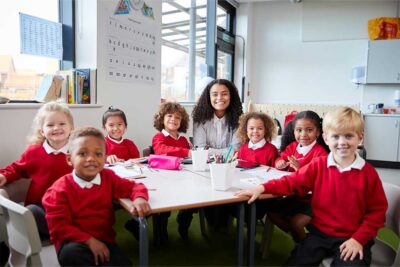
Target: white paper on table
124	172
263	176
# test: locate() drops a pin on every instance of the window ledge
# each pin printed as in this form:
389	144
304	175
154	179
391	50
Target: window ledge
38	105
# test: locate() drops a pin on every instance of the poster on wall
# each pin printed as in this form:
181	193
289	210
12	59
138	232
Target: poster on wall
131	42
40	37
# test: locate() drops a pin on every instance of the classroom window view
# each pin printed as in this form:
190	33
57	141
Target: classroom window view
177	47
21	74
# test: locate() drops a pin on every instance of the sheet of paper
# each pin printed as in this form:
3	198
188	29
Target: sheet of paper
265	175
126	172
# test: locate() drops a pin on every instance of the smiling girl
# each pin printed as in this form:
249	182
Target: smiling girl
256	131
170	120
44	160
118	148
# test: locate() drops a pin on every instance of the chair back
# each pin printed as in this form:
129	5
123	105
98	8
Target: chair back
23	236
148	151
383	254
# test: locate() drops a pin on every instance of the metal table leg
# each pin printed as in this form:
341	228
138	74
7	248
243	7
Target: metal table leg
252	233
143	243
239	238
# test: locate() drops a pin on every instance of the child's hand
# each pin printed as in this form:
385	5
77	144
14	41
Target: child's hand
281	164
253	193
99	250
190	154
3	180
294	163
349	250
140	207
112	159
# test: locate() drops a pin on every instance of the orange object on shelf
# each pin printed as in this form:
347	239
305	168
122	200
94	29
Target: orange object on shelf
384	28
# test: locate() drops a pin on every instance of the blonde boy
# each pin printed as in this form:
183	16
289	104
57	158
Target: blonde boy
348	202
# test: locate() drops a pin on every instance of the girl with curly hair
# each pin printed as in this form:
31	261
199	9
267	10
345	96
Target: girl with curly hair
216	117
171	120
256	130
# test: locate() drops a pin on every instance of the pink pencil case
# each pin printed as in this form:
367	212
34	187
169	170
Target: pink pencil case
164	162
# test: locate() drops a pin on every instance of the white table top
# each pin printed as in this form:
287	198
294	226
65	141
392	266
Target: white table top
173	190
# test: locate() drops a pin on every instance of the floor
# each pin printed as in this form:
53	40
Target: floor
389	175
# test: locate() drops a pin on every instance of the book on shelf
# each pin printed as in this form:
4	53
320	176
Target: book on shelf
50	88
81	84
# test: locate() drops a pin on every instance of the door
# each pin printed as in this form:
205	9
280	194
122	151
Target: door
382	137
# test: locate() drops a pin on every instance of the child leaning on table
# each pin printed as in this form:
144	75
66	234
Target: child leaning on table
256	130
301	142
118	148
43	161
79	206
348	202
170	120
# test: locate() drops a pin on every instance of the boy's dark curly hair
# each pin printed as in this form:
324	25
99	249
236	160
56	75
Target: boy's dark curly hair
170	108
84	132
203	111
269	124
288	132
111	111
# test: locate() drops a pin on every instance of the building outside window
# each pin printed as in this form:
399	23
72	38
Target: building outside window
22	74
178	42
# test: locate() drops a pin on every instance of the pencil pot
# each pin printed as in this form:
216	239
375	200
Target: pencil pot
199	158
221	176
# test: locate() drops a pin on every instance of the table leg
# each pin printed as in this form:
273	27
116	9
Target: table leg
251	233
143	243
239	238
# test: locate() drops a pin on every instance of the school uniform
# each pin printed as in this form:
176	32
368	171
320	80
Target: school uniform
124	149
164	144
303	154
262	152
292	205
347	203
77	210
43	165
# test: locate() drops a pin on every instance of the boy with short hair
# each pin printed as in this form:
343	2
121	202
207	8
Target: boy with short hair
349	204
79	207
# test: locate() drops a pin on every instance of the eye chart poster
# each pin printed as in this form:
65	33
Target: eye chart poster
131	42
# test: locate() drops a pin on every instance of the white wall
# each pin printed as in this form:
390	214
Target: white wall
139	101
284	69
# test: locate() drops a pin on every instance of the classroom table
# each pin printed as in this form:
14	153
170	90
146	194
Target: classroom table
186	189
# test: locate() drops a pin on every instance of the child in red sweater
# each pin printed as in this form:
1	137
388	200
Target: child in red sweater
170	120
43	161
117	147
256	130
79	207
349	204
301	142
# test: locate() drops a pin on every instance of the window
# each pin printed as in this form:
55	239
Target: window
22	74
184	46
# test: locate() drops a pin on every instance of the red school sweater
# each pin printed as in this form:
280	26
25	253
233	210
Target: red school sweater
167	145
345	204
75	214
316	151
43	169
125	150
265	155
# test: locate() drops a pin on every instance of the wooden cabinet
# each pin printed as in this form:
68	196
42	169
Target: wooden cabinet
383	63
382	137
